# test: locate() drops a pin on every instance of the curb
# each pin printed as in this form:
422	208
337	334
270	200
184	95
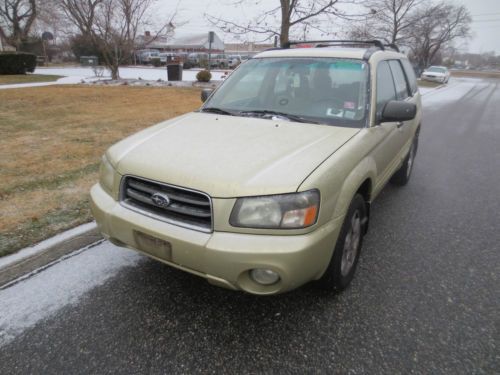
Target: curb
14	266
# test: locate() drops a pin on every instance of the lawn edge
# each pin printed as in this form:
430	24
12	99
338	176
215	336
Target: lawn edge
30	259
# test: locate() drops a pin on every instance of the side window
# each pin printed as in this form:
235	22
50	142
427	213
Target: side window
385	86
410	74
402	91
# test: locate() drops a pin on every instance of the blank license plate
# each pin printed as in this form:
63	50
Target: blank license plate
154	246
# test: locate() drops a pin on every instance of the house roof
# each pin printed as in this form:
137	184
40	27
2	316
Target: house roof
195	41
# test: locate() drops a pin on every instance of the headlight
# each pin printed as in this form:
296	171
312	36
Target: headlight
106	175
287	211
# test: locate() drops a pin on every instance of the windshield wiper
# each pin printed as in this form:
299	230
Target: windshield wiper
288	116
220	111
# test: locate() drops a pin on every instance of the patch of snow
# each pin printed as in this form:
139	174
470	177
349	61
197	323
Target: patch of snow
29	251
425	90
146	73
41	296
452	92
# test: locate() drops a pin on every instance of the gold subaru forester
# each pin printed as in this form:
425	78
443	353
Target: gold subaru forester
268	185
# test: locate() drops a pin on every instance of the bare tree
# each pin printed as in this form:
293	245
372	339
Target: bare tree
16	20
112	26
280	18
81	13
389	20
436	27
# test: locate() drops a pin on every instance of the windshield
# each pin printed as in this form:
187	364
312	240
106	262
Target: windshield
436	69
322	90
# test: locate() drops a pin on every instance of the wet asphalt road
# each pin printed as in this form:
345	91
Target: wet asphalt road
426	297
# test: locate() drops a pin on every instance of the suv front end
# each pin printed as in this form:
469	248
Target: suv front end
255	260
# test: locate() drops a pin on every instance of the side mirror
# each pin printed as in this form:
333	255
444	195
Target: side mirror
398	110
205	93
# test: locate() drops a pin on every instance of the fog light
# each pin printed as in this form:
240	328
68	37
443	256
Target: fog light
264	276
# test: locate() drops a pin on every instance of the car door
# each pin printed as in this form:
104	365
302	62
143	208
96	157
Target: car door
403	92
386	135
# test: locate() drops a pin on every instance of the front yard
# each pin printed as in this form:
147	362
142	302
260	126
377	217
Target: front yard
27	78
51	141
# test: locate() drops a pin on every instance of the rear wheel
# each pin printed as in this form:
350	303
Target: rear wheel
345	256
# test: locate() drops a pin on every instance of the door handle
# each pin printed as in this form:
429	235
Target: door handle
400	124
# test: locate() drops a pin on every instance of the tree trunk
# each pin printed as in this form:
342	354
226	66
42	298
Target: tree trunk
285	22
115	71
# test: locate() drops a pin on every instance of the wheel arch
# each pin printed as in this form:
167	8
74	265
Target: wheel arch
359	181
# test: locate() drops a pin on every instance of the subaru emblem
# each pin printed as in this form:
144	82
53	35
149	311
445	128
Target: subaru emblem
161	200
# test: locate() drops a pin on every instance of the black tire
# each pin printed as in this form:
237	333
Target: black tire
343	264
403	174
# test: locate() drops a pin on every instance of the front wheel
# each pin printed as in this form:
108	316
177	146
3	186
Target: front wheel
345	256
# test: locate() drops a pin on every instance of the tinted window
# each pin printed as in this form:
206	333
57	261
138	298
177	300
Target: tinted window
402	91
410	74
385	86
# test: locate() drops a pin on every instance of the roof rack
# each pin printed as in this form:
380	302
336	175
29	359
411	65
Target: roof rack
328	43
393	46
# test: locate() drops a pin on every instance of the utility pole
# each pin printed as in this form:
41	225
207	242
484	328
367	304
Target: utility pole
210	41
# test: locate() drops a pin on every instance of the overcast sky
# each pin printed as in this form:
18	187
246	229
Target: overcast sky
485	25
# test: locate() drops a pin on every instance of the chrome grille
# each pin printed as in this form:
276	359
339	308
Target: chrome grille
173	204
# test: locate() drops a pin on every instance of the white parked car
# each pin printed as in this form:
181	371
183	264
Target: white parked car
234	61
439	74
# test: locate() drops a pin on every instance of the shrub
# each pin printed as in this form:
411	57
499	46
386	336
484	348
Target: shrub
204	76
17	62
187	65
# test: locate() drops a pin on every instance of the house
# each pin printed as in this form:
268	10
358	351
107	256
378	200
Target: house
191	43
148	41
247	48
196	43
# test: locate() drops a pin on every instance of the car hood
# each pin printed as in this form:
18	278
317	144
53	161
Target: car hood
227	156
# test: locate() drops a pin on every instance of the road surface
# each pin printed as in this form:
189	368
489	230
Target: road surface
426	297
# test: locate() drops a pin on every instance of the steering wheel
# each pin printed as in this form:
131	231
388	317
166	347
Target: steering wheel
282	100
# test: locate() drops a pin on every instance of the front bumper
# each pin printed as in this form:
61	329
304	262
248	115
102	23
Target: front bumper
433	79
223	258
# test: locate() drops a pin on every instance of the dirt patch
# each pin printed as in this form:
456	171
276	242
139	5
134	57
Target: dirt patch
475	73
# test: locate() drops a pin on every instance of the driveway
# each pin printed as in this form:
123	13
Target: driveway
426	297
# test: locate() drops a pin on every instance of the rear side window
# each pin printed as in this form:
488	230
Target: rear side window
402	91
410	74
385	87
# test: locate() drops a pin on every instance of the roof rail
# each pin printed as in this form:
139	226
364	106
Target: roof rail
393	46
327	43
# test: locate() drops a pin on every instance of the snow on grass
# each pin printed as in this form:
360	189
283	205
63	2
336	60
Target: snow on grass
41	296
146	73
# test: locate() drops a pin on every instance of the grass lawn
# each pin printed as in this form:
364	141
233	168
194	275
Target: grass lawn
26	78
475	73
51	141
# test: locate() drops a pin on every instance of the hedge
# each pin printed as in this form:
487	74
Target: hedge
17	62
